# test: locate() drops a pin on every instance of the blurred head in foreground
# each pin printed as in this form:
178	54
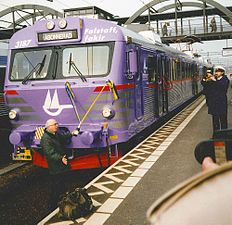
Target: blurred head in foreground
203	199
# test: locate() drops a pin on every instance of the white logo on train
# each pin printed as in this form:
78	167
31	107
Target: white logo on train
52	105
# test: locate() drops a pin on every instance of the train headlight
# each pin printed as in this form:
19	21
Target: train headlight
13	114
108	112
62	23
50	25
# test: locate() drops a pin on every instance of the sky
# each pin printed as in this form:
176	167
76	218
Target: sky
121	8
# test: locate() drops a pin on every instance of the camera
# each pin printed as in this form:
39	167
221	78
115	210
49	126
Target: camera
218	148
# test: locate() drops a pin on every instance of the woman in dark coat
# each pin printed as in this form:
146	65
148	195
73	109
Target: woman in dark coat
215	90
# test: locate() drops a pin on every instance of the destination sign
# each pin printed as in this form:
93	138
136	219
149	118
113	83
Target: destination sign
57	35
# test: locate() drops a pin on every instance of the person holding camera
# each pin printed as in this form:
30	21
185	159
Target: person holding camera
207	91
215	90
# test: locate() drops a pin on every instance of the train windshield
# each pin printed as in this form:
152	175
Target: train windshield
91	60
30	64
59	62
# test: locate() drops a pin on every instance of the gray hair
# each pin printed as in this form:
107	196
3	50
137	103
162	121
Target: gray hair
50	122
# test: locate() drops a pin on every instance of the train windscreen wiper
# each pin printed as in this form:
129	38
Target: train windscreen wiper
37	69
73	65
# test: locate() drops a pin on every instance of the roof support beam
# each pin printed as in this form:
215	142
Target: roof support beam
42	11
220	7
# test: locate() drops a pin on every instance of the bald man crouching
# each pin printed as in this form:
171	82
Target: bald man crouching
53	146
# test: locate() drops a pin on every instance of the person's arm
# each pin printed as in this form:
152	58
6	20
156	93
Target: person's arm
207	85
222	84
64	137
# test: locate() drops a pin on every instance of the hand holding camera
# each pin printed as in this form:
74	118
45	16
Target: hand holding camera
209	77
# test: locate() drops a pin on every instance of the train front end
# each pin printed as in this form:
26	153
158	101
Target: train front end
70	70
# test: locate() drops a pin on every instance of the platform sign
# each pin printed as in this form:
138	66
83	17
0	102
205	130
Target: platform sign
57	35
227	51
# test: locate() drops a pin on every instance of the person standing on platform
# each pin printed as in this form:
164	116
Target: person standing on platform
215	90
53	146
213	25
165	30
207	91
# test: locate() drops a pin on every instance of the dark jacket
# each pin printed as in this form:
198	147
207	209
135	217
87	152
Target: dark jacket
54	150
215	94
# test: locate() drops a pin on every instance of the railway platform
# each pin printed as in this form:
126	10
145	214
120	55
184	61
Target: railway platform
175	165
123	193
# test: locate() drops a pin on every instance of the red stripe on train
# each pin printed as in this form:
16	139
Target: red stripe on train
118	87
11	92
152	85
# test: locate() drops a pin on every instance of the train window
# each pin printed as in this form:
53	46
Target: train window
178	74
194	69
91	60
190	71
30	63
183	69
151	65
167	68
2	78
173	69
176	68
159	68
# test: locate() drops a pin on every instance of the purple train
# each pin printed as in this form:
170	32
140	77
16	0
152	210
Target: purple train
94	75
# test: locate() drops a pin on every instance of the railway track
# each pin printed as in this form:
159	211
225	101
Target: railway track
24	193
11	166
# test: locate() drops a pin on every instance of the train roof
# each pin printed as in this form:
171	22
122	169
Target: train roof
89	30
150	42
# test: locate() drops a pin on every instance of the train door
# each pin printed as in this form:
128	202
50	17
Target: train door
161	93
166	83
179	81
138	88
194	78
133	55
152	82
159	86
183	79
